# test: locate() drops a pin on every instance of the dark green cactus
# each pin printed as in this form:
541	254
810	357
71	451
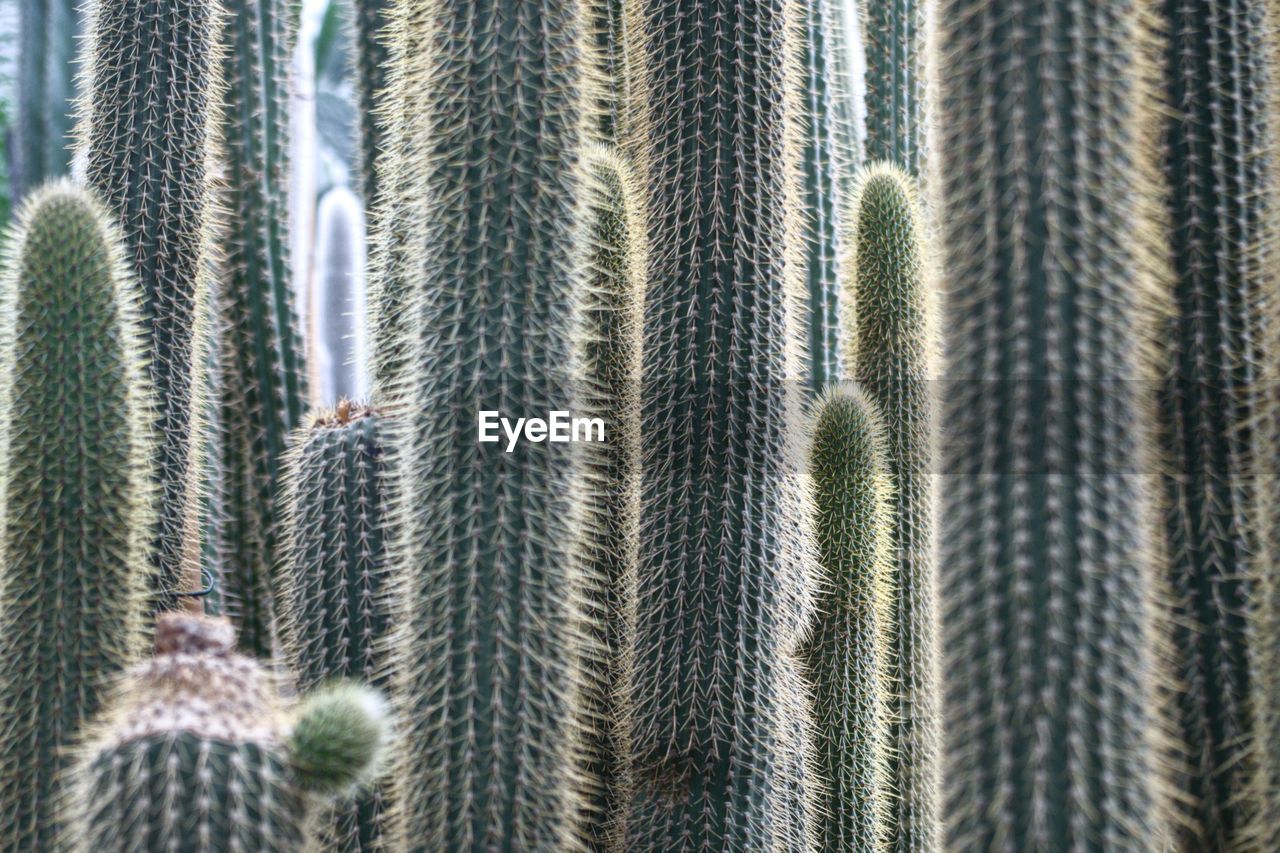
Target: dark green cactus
608	21
1219	77
726	563
372	64
1049	579
613	308
47	41
891	357
197	752
333	586
894	45
146	129
77	517
263	388
489	586
849	655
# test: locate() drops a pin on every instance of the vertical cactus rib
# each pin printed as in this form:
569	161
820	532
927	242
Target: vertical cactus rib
1049	571
47	36
726	563
77	515
849	654
263	389
613	305
1220	444
372	64
491	623
894	43
148	110
892	357
337	315
332	589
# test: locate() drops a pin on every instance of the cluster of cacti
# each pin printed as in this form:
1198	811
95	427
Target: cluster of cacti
722	624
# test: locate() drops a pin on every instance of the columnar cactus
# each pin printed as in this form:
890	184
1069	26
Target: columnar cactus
490	619
48	31
891	356
608	22
372	63
332	595
263	387
725	579
614	303
151	77
197	752
337	324
1219	73
77	517
1049	579
849	654
894	41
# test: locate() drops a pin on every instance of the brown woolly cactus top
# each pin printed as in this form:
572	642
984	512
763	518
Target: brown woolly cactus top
344	413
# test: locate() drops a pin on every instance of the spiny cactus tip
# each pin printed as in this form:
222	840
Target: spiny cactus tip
339	738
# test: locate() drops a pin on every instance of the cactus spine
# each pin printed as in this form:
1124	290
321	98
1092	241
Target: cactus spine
614	323
263	386
894	41
338	337
725	580
1220	416
891	356
77	518
48	31
1049	579
490	621
333	588
849	653
148	111
197	752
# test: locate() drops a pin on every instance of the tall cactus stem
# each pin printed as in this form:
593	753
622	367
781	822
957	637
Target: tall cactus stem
894	40
47	34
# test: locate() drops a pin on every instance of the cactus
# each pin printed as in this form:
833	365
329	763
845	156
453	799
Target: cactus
893	42
332	589
1219	416
1055	666
614	322
146	128
197	752
77	519
490	623
338	348
726	563
49	30
263	379
372	63
608	28
849	655
891	357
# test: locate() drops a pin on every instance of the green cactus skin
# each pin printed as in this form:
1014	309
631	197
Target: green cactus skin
491	622
77	521
263	390
613	308
891	357
893	42
337	328
849	654
147	122
608	29
829	156
197	752
726	563
372	63
47	36
1218	75
332	591
1050	576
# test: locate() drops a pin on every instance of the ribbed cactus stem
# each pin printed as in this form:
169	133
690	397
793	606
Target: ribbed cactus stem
263	387
334	608
148	106
892	357
849	654
338	327
1219	412
613	308
77	515
196	751
725	580
490	625
48	31
372	65
1053	705
894	46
